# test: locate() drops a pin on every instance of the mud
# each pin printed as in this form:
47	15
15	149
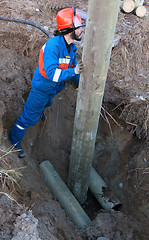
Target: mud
121	150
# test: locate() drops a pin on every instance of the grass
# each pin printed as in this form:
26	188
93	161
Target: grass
9	176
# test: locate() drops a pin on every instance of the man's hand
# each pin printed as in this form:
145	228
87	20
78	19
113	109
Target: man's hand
79	68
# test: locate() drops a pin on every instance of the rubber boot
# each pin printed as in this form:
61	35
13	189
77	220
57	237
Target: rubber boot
15	138
21	153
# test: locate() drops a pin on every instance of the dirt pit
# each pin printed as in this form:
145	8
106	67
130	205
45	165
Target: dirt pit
121	151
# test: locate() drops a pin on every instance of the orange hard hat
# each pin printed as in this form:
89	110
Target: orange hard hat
68	18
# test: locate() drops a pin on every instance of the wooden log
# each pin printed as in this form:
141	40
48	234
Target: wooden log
140	11
128	6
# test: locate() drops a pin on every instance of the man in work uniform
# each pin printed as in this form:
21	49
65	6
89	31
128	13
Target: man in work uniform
57	63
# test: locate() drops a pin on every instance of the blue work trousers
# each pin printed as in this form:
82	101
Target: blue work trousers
34	107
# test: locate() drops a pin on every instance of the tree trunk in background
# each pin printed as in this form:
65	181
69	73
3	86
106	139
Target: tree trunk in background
99	35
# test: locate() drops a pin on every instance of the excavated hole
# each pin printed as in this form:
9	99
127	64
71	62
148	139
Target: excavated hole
51	140
120	158
115	155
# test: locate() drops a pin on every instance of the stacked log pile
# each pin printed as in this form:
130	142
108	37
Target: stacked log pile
134	6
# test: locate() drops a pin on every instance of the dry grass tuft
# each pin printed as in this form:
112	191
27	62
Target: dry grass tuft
9	176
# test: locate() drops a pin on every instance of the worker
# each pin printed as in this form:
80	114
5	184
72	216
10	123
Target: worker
57	63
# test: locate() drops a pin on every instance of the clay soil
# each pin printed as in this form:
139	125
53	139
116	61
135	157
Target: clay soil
122	144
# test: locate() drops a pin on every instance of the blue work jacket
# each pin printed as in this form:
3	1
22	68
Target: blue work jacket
56	65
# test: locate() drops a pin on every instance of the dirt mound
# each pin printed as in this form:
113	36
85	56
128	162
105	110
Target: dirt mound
128	74
14	221
114	226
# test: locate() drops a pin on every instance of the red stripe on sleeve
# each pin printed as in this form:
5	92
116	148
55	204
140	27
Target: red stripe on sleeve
41	64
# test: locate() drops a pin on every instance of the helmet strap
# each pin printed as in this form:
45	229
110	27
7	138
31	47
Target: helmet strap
74	15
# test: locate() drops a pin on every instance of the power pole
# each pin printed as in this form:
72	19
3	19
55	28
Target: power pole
99	35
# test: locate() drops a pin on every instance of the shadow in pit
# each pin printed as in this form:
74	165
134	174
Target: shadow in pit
92	207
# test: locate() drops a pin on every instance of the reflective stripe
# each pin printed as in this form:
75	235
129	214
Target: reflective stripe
64	63
43	47
18	126
64	60
56	75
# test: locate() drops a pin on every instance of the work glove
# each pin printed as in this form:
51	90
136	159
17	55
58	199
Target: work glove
79	68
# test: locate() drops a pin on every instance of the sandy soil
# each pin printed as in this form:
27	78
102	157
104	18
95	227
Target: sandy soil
121	151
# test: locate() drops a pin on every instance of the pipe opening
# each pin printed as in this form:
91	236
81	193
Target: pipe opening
92	207
118	207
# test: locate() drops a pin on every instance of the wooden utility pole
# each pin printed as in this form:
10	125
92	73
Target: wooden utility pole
99	35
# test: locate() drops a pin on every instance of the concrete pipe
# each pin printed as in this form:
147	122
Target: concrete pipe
63	194
102	193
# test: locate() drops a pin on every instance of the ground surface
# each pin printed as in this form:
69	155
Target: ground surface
121	151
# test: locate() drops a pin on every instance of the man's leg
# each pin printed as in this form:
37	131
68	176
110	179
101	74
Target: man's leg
50	102
15	137
33	110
